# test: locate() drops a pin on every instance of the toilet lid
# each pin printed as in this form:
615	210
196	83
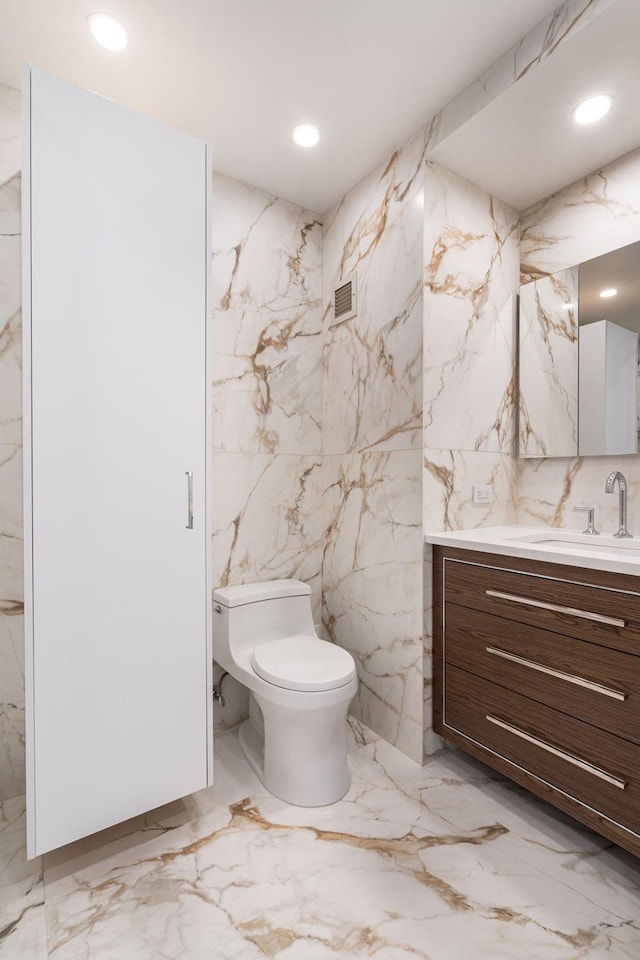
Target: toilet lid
303	663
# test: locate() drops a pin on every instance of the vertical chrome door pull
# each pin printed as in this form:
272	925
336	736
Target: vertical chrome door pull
189	476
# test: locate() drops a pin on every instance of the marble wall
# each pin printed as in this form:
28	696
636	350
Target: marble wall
471	260
548	368
371	430
470	279
12	772
266	395
588	218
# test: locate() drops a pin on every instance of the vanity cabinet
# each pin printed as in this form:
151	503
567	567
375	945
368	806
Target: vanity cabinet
537	673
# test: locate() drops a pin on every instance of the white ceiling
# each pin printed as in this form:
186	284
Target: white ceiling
524	146
242	73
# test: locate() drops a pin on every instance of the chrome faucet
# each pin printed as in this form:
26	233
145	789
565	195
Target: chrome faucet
622	484
591	520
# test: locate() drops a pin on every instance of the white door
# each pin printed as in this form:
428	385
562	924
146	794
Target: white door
118	636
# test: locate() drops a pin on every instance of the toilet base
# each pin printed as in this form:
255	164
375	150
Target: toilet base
302	759
252	745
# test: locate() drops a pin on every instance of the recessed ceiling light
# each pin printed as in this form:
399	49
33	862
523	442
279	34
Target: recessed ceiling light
108	32
609	292
306	135
595	108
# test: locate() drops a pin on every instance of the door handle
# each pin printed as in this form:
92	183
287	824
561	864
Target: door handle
189	523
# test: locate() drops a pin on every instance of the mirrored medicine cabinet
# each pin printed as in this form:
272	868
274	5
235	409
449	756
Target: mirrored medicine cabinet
578	359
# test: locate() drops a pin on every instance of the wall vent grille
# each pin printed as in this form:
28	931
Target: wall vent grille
344	301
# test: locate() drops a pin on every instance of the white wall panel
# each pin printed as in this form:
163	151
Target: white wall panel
119	669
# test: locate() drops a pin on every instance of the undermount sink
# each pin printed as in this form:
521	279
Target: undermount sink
581	541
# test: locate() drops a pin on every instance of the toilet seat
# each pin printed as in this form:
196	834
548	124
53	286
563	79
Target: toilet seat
303	663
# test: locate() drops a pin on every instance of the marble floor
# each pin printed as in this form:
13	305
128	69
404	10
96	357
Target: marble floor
445	862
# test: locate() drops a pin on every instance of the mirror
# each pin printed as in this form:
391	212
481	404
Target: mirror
578	359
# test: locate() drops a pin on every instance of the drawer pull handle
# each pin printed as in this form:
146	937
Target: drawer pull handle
576	761
570	611
569	677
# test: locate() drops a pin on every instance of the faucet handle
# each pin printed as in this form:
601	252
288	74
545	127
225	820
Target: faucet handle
591	511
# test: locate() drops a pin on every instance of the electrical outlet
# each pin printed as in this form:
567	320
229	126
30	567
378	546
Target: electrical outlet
482	493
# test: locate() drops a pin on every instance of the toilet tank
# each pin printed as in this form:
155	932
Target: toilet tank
253	613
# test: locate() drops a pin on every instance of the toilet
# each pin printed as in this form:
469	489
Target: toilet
300	689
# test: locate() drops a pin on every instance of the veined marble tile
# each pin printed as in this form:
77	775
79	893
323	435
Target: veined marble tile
471	274
548	375
540	43
489	870
19	877
267	380
549	489
372	586
370	389
10	210
10	276
355	226
10	125
254	888
266	519
12	756
372	392
267	252
590	217
358	734
447	496
23	928
266	395
11	574
11	652
12	760
10	333
255	884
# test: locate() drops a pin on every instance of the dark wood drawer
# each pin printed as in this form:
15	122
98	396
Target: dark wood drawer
597	614
590	765
594	683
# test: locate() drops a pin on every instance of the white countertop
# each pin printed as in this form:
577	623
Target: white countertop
601	552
